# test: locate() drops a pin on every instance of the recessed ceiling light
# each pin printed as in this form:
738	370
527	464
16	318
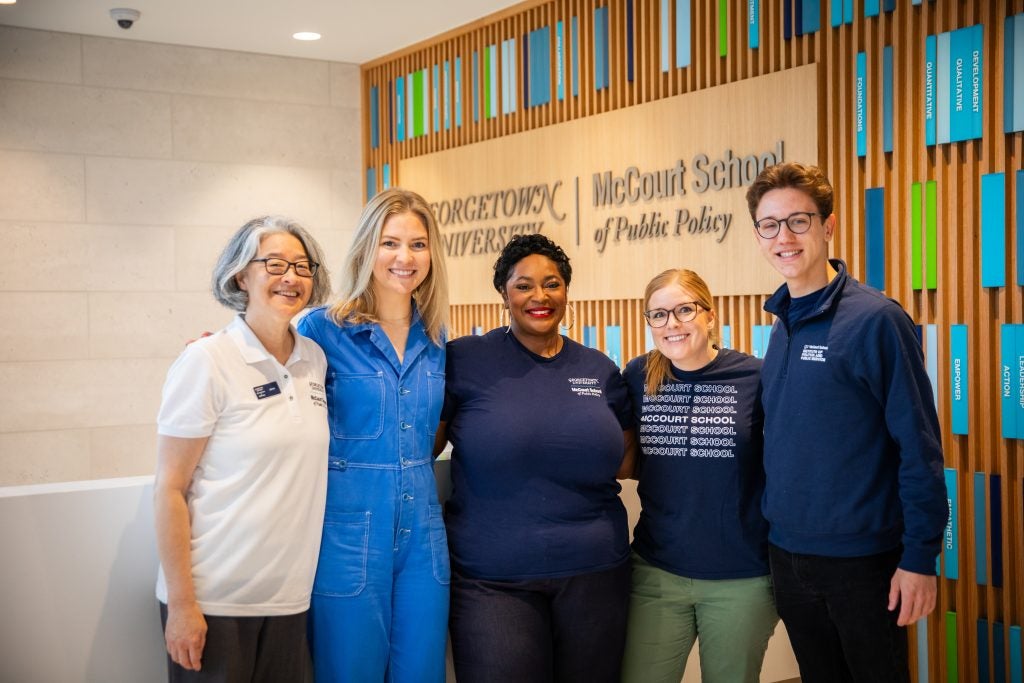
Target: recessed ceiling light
8	2
306	35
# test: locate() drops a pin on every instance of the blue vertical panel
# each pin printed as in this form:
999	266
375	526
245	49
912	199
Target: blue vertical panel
874	238
887	98
726	337
629	40
930	104
447	95
942	99
761	334
959	58
861	104
590	336
600	48
613	343
787	19
931	359
435	87
478	330
1013	73
1016	664
922	650
810	18
540	67
374	117
391	112
476	87
575	57
993	230
1020	227
836	13
492	93
959	379
888	5
458	92
648	339
950	542
371	183
664	34
400	108
682	33
984	671
870	8
977	82
754	23
560	60
527	76
995	531
1017	381
998	652
385	176
980	531
847	11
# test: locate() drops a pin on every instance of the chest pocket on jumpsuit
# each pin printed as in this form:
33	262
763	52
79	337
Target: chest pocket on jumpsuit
358	401
435	399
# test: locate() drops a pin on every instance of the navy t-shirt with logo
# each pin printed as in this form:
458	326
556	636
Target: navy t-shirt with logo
536	446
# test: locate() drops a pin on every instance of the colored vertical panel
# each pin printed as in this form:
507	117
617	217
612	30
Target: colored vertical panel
836	13
575	30
984	671
998	652
931	234
385	176
447	95
648	339
931	359
977	81
458	92
1016	663
887	98
723	28
424	101
959	380
787	19
951	540
486	90
410	107
930	65
600	48
527	76
916	249
560	60
664	33
371	183
391	113
374	117
629	40
995	530
476	87
1007	365
942	92
726	337
754	23
491	75
590	336
959	88
613	343
874	238
889	5
847	11
1013	74
993	230
761	335
952	661
540	67
683	20
419	96
435	88
810	19
1020	227
861	104
508	76
478	330
870	8
922	650
980	531
400	108
1018	381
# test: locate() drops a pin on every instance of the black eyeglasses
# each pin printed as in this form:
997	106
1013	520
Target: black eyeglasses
279	266
684	313
798	223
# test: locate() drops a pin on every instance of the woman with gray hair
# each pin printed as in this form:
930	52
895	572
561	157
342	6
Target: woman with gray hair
240	482
380	600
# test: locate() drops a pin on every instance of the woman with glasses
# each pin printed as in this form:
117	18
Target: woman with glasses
240	480
380	600
539	538
700	549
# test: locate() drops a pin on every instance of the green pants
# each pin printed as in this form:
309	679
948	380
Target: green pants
731	618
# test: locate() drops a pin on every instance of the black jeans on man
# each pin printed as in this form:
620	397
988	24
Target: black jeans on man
835	611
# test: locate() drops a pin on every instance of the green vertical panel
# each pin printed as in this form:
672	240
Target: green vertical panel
487	83
418	124
931	219
723	28
915	235
952	664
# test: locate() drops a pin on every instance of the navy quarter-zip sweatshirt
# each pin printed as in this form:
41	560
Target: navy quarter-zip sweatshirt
852	449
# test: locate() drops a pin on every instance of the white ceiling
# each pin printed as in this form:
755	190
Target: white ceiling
354	31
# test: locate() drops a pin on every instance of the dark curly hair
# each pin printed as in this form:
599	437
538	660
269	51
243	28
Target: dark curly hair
521	246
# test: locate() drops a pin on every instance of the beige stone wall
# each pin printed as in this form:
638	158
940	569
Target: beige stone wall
125	166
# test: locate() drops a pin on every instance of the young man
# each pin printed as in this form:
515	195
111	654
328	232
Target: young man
855	496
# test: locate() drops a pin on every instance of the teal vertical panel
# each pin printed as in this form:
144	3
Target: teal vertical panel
965	82
1016	663
374	117
683	20
600	48
980	532
861	104
1007	383
371	183
887	98
959	381
1018	381
575	30
836	13
726	337
1013	74
1020	224
930	65
874	235
648	339
870	8
950	544
613	343
922	650
754	23
447	95
993	230
931	359
458	92
984	671
475	85
847	11
810	16
560	60
998	652
478	330
385	176
761	334
400	108
664	36
540	67
590	336
942	99
977	83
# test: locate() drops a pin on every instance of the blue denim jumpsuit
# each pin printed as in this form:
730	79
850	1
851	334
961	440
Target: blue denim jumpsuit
380	600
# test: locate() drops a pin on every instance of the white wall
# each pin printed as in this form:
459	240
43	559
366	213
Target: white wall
125	166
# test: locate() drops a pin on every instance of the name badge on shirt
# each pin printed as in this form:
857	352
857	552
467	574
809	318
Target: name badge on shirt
267	390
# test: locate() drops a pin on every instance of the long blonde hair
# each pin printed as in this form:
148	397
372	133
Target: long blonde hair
356	300
659	368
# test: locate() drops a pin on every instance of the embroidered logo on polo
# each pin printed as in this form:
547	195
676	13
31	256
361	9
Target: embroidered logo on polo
317	394
585	386
813	352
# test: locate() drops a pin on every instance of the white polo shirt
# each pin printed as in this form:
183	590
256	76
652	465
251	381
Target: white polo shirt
257	496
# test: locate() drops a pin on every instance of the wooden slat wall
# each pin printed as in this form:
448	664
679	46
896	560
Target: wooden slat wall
955	167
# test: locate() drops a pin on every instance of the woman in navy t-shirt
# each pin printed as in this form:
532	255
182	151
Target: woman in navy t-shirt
700	565
538	535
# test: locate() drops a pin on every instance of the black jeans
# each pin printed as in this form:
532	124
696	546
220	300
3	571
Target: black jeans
569	630
835	610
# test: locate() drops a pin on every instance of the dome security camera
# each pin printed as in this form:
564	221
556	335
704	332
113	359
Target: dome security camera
125	17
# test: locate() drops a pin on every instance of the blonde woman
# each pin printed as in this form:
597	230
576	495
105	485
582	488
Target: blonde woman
380	599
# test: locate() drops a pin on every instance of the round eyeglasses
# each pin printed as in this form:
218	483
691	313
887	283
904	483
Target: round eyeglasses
798	223
684	313
279	266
